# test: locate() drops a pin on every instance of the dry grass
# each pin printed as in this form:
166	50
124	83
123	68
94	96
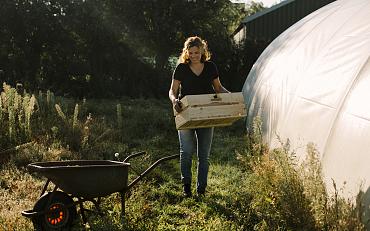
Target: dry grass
18	192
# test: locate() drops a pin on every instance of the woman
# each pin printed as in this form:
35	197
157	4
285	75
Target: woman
196	75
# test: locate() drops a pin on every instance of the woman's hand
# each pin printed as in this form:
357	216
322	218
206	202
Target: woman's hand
172	94
177	105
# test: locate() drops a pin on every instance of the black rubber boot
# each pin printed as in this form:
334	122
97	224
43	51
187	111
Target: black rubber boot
187	190
201	192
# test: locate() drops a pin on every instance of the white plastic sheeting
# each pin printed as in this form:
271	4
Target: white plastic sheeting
312	84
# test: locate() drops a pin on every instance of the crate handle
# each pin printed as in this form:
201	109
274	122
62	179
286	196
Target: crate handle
216	98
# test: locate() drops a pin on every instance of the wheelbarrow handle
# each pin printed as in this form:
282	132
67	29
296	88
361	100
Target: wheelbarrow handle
134	155
151	168
30	213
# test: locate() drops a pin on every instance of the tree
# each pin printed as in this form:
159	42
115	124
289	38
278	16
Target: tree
83	47
25	28
160	27
70	47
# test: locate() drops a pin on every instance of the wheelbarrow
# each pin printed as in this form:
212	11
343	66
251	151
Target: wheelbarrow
85	180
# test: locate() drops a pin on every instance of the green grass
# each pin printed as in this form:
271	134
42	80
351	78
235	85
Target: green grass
250	187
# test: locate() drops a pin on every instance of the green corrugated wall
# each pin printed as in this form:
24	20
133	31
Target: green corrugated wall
268	26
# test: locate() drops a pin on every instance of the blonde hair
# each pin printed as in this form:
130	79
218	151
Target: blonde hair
195	41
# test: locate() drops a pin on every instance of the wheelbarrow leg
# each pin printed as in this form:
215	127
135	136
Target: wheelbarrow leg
97	205
123	202
140	176
82	211
45	187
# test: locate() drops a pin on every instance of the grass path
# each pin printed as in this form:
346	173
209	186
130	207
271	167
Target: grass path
155	203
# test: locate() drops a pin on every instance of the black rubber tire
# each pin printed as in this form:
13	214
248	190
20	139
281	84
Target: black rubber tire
58	217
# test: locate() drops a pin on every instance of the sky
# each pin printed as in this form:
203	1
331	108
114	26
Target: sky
266	3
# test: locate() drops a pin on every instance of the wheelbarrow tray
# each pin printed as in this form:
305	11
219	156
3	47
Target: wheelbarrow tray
85	178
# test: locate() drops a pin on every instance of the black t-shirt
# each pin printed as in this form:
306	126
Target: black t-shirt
192	84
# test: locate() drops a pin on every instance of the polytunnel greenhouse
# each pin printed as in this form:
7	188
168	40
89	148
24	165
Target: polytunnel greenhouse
312	85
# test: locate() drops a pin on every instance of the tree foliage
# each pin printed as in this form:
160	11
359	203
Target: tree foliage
161	27
109	48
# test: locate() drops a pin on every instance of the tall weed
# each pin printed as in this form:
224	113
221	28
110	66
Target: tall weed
16	111
291	195
73	132
119	116
280	201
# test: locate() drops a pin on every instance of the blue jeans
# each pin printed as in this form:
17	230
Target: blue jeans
202	138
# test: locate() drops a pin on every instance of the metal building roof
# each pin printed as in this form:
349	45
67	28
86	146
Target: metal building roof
269	23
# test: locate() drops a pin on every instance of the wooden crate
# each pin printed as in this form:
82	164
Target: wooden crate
210	110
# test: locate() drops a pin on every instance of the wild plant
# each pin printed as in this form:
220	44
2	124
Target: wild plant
279	199
75	118
16	111
61	113
28	107
119	116
86	133
255	147
50	98
73	132
1	110
256	144
45	104
287	194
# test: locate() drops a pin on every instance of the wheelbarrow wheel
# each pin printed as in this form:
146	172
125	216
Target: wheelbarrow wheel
59	214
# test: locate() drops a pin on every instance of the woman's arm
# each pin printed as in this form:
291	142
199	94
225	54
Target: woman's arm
172	94
174	90
217	86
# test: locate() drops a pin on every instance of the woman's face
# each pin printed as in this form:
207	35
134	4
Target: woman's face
195	54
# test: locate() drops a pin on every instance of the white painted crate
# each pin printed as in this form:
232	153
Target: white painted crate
210	110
